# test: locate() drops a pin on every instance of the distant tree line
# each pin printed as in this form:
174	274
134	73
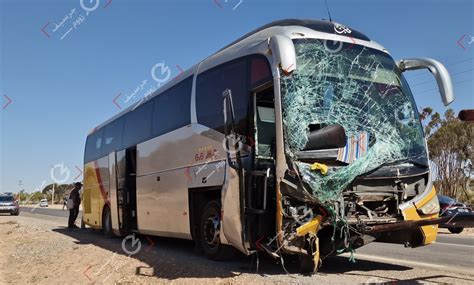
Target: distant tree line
450	145
60	191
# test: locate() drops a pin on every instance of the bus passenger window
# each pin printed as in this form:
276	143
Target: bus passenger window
172	108
93	146
113	136
138	125
210	86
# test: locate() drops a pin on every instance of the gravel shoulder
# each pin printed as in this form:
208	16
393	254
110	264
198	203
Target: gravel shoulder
41	251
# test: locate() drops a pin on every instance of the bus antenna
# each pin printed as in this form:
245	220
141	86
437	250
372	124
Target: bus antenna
327	9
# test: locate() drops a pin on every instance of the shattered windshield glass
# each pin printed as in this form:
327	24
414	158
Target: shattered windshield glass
360	89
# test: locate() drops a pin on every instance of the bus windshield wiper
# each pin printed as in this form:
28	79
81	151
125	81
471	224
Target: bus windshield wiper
405	160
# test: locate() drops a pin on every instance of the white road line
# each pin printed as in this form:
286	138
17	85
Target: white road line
458	269
396	261
453	244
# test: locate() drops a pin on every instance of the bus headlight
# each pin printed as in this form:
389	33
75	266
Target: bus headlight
431	207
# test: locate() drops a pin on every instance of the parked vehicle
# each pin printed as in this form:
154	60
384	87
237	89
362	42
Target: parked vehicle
8	204
43	203
451	207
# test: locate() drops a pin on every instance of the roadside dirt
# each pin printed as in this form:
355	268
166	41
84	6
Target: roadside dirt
42	251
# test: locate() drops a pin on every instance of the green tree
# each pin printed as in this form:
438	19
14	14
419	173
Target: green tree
22	196
450	145
60	190
36	196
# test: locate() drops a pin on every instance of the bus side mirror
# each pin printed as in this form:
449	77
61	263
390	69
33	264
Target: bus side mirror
283	53
440	72
466	115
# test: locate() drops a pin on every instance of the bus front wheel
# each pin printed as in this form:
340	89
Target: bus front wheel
209	233
307	264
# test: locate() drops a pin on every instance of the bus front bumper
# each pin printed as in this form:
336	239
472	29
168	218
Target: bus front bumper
418	229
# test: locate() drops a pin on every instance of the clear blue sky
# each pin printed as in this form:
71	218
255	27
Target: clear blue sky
61	89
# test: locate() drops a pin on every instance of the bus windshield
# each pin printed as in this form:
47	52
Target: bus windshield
360	89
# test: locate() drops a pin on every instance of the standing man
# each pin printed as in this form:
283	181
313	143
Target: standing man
73	205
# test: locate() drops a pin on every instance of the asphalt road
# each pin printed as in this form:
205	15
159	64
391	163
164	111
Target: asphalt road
450	252
44	211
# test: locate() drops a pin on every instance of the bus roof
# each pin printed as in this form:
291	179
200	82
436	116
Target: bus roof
247	44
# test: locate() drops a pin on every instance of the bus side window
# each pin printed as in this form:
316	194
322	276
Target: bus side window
138	125
113	136
172	108
260	71
94	146
209	88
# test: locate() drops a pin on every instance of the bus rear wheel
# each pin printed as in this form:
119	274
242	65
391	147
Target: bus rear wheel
209	233
107	223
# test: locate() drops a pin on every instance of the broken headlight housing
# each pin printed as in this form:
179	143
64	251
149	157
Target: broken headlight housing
432	207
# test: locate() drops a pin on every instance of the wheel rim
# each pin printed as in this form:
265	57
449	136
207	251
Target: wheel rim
212	231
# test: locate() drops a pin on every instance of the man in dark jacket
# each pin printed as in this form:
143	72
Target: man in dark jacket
76	201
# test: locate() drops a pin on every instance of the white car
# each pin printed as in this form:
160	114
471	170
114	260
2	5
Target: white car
44	203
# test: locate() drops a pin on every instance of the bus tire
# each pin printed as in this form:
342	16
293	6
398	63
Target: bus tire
307	264
209	233
107	223
457	230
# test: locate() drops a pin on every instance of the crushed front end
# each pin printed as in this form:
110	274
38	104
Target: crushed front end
355	153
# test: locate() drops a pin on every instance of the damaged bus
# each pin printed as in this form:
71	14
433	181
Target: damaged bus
300	138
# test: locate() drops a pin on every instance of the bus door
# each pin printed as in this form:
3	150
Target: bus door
127	190
114	174
252	166
260	195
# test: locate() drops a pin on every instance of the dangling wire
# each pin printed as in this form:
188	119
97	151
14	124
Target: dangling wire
257	263
283	264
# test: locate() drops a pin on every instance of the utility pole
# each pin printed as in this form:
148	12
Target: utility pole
52	197
19	191
54	182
